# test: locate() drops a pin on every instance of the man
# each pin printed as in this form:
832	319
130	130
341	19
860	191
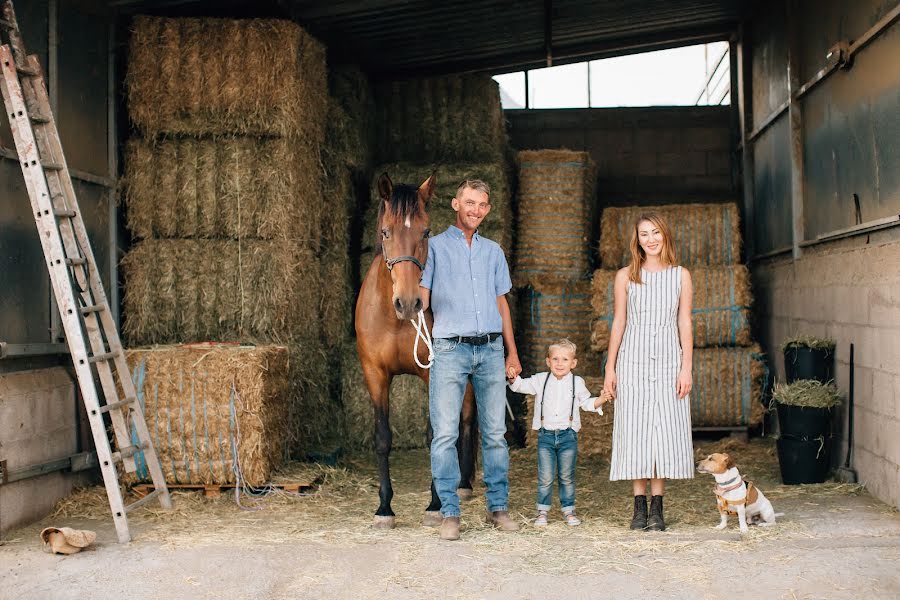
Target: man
466	280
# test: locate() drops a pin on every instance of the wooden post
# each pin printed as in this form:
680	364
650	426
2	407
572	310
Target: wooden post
742	96
796	122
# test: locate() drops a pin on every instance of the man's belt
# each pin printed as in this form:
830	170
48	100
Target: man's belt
477	340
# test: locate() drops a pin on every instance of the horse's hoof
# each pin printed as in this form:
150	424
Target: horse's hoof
464	493
383	522
432	518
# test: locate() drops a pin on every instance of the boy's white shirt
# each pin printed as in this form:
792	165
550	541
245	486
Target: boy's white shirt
558	404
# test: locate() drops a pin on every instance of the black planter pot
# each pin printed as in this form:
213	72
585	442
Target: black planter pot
803	421
803	460
802	362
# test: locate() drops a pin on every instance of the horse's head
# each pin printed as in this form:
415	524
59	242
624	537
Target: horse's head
403	230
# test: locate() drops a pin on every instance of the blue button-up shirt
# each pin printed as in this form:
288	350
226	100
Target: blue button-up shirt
465	282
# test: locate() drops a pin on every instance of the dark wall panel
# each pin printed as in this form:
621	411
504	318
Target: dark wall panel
24	283
32	18
768	38
772	187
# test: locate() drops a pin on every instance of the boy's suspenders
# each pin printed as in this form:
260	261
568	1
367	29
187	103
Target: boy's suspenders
544	393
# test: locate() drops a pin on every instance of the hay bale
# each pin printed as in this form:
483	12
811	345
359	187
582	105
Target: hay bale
315	419
350	131
556	197
441	119
550	309
223	187
220	76
336	300
213	411
728	387
498	225
221	290
721	307
408	406
595	436
705	234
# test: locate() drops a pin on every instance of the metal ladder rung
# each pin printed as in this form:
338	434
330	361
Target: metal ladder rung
39	118
115	405
64	213
142	501
27	71
86	310
74	262
52	166
105	356
129	451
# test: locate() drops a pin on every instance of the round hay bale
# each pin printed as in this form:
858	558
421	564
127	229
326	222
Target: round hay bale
555	201
705	234
408	406
721	306
550	309
220	76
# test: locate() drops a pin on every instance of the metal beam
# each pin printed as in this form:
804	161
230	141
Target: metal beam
26	350
74	463
743	98
796	123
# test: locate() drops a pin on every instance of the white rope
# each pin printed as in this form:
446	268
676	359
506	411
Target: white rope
422	333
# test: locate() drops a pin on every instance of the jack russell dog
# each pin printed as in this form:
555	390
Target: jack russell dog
734	496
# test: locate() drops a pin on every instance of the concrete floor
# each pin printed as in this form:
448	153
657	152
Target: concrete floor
829	545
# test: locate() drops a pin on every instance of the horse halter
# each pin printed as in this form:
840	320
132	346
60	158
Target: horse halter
390	262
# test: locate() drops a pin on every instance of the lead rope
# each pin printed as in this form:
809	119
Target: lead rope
422	333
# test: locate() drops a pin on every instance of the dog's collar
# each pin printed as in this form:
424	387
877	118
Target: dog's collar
729	482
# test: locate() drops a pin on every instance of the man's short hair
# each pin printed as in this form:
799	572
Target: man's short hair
475	184
563	344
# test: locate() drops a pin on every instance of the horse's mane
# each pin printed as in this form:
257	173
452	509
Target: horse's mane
404	203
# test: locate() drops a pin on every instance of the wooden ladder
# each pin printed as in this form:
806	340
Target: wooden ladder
90	330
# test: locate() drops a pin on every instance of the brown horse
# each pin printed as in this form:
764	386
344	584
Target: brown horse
388	299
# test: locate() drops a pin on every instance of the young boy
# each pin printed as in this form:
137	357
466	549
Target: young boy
557	396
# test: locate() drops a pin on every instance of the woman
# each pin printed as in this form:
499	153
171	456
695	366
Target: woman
649	370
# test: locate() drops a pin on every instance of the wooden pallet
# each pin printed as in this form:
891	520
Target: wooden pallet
216	490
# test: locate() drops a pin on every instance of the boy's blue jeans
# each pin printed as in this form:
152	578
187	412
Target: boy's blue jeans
557	453
454	365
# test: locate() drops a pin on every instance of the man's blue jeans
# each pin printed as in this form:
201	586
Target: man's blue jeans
557	453
454	365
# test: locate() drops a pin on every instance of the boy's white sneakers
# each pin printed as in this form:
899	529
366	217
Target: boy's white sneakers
572	520
541	520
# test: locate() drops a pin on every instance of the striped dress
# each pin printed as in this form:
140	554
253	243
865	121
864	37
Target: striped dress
652	425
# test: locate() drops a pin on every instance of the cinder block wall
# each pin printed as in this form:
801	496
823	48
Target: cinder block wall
38	423
849	291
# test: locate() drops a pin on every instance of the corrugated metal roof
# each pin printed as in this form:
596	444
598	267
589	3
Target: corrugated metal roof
400	37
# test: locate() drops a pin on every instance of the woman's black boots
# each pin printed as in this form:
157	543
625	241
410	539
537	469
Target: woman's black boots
656	522
639	520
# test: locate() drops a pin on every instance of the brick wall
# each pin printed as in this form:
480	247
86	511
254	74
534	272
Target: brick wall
849	291
649	155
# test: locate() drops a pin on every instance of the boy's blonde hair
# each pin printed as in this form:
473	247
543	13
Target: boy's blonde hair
564	344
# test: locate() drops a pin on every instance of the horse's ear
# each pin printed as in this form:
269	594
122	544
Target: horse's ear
385	187
426	190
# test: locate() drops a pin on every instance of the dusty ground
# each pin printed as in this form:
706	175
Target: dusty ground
835	541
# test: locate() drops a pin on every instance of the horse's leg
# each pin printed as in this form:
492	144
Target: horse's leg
379	384
467	444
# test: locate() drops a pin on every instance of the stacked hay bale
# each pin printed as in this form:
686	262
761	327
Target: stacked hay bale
452	126
223	190
728	368
555	202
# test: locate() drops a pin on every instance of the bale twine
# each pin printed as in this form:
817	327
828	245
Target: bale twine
721	306
728	387
223	187
498	225
595	436
445	119
217	76
556	197
550	309
408	406
221	290
213	411
705	234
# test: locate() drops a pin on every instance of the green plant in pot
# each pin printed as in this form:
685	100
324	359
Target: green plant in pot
804	417
808	357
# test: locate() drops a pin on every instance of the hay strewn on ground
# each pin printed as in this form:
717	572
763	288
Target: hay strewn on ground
550	309
201	290
556	197
497	225
448	119
224	187
705	234
215	76
595	437
213	411
408	406
721	306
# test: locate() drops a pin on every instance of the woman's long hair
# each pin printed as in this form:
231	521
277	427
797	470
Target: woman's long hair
638	256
